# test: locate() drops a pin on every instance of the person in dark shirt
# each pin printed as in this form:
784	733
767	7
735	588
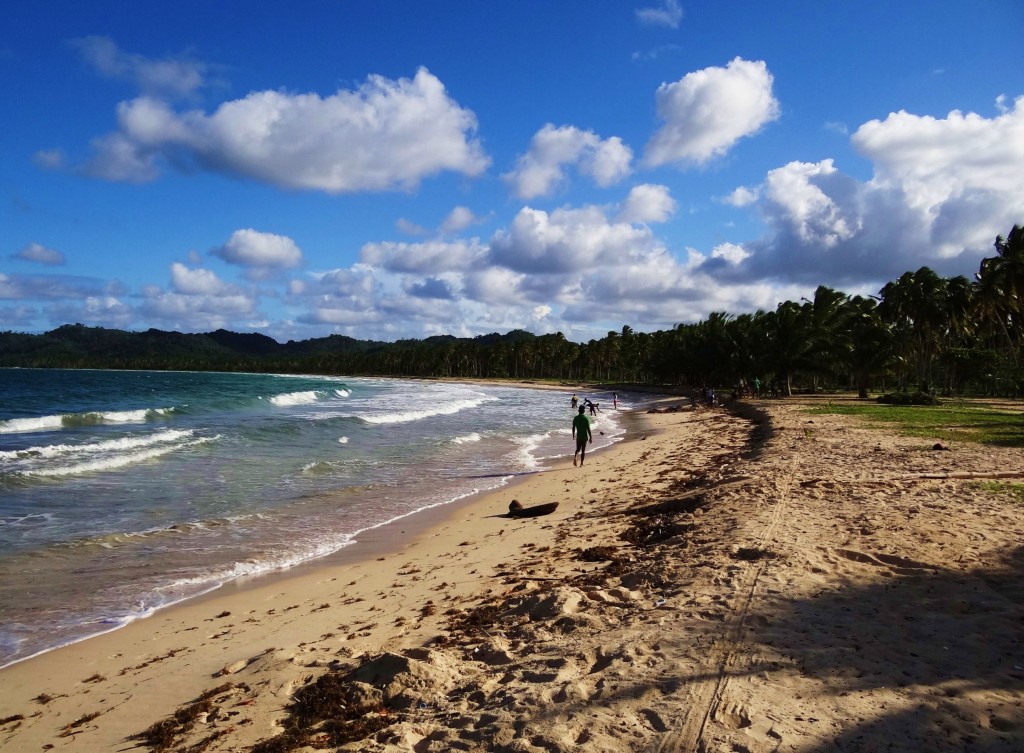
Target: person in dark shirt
581	433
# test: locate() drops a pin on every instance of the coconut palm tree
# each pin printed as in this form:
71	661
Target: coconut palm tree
915	305
870	342
999	290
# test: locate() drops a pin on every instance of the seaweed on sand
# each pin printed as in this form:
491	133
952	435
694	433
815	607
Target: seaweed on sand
162	735
328	712
657	522
646	531
481	619
599	554
69	729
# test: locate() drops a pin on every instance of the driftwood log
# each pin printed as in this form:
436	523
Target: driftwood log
517	510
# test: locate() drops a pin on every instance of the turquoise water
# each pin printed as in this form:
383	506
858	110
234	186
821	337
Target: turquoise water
122	492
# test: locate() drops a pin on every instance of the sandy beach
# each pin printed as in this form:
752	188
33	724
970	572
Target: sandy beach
762	579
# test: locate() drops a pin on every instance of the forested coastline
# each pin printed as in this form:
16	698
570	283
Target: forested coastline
922	332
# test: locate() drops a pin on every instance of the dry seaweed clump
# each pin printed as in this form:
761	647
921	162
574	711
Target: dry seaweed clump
344	707
481	619
599	554
330	712
654	523
164	734
649	530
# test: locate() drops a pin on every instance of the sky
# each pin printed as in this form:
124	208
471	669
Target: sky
402	169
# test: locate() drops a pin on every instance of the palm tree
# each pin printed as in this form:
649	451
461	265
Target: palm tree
999	290
915	304
870	342
790	342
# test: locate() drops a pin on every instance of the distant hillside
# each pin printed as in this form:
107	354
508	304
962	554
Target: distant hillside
79	346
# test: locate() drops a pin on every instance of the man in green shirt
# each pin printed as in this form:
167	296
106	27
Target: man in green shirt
581	433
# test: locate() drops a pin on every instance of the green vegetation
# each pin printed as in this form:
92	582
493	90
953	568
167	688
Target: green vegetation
909	398
922	334
960	423
1016	491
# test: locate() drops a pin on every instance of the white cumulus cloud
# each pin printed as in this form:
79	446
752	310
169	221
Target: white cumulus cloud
566	240
195	281
542	169
458	219
706	112
386	135
942	189
260	251
432	257
647	203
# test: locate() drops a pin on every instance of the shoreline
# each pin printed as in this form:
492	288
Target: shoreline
378	541
369	567
761	579
347	553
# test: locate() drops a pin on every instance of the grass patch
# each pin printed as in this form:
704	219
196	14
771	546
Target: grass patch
1014	490
959	423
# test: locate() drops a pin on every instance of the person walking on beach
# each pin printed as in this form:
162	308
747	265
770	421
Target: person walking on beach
581	433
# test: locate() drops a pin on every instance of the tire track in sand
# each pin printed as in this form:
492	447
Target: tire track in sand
706	692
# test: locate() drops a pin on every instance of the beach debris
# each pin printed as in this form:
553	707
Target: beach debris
70	729
751	553
598	554
232	668
165	734
517	510
329	712
667	409
477	620
163	657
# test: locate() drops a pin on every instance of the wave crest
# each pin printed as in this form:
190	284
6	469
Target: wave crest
418	415
87	418
306	397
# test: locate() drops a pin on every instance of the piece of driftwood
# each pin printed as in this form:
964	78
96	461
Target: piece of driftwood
516	509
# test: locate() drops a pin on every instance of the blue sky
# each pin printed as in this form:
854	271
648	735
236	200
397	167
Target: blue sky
404	169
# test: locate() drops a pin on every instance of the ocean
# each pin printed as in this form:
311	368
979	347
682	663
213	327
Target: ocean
122	492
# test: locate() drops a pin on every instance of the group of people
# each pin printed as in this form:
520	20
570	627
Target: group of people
594	408
705	395
581	432
746	388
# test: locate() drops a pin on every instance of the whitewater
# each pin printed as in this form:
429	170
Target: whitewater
122	492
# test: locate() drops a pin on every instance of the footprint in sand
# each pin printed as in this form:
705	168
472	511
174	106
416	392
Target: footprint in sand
732	715
896	564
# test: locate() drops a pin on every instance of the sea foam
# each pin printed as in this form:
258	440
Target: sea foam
112	445
114	461
306	397
402	417
88	418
